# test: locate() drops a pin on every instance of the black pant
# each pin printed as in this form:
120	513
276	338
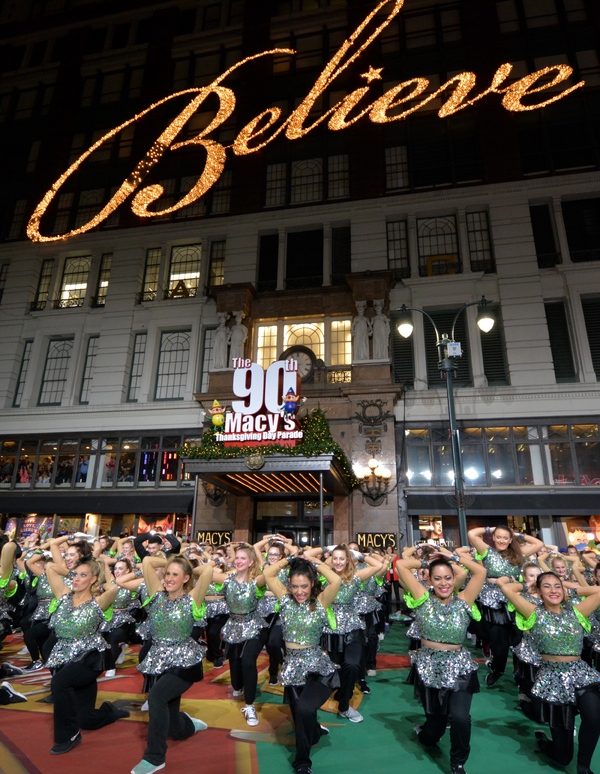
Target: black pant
560	749
304	712
48	645
115	638
213	637
459	708
165	718
349	660
243	670
35	637
396	589
499	635
74	689
272	639
369	659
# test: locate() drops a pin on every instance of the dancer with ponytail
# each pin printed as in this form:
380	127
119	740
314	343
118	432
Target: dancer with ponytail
504	559
443	672
308	674
174	661
564	683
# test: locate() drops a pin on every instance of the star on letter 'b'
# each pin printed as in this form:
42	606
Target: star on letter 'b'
372	74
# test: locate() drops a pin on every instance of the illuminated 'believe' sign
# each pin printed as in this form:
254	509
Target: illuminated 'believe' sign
254	135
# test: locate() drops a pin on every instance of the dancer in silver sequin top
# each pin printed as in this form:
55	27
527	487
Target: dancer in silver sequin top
443	672
308	674
564	683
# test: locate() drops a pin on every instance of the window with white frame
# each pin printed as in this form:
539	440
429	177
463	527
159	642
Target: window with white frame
329	339
207	358
275	187
397	248
56	370
88	369
3	276
74	281
438	246
25	361
17	219
216	271
338	176
184	274
90	204
151	274
137	367
173	361
307	181
480	244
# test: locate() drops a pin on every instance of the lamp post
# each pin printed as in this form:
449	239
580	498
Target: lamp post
448	351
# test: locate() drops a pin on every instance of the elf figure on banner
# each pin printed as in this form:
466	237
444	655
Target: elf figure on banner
217	414
292	403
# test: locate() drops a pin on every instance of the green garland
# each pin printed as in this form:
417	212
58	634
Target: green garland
316	440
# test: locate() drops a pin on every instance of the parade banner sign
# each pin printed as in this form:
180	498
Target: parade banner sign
266	411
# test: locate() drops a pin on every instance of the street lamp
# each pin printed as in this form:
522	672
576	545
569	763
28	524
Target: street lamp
448	351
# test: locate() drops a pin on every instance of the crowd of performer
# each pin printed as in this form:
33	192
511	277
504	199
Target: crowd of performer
320	614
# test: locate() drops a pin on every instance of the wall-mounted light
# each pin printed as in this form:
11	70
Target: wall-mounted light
374	482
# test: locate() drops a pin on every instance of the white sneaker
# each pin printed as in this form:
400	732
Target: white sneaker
110	673
352	715
381	636
145	706
251	716
237	694
199	725
17	697
23	652
121	656
371	673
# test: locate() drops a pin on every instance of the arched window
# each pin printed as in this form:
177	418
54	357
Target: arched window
309	335
172	365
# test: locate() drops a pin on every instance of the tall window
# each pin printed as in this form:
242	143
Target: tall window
221	194
396	168
26	359
103	278
493	351
341	254
341	342
184	274
338	177
173	362
55	372
582	224
88	369
3	275
304	259
151	274
480	246
74	282
275	194
403	367
137	367
43	288
438	246
207	357
543	236
397	249
216	272
309	335
591	314
266	352
443	320
18	219
560	342
268	255
307	181
90	204
64	204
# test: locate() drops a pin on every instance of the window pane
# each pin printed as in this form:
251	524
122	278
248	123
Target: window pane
74	281
172	366
45	470
471	434
85	470
526	433
126	471
338	184
555	431
473	465
216	274
502	469
207	358
480	246
418	466
88	371
55	372
585	431
24	470
438	246
7	467
418	435
64	471
137	366
341	342
103	278
307	334
266	352
185	271
151	274
588	459
23	373
168	469
560	463
397	247
148	467
396	168
442	464
107	467
498	433
275	187
307	181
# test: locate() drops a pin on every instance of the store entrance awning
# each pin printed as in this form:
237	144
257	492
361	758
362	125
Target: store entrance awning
279	476
538	501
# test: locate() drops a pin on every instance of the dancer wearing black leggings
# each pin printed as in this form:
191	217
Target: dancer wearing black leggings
241	633
80	654
564	684
504	559
119	631
38	631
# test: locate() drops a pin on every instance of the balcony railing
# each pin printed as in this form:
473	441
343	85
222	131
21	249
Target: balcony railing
302	283
67	303
584	256
37	306
145	295
548	260
98	301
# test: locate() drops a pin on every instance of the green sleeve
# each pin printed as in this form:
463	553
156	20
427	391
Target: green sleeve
112	553
199	612
108	613
53	605
411	602
218	586
8	593
331	618
260	591
585	622
475	612
148	600
479	557
379	581
524	624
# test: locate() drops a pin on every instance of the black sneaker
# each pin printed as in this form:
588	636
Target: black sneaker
273	680
219	662
492	678
458	769
10	670
49	699
65	747
364	688
35	666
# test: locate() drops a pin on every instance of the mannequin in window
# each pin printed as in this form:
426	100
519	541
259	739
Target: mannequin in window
361	330
220	342
380	325
239	334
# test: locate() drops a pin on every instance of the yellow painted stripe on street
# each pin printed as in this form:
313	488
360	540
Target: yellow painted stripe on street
9	764
243	759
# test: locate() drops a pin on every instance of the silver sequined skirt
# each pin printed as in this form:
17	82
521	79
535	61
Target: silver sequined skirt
441	668
347	620
120	617
240	628
557	681
167	654
216	607
299	662
366	604
266	605
527	652
491	596
67	650
42	611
